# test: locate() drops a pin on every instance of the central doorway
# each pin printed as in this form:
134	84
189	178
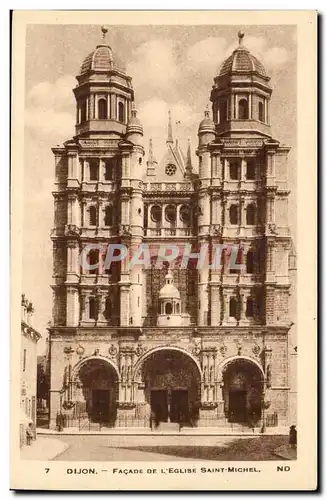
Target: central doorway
172	387
170	406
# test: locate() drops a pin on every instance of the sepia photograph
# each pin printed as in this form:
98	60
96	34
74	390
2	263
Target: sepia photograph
159	299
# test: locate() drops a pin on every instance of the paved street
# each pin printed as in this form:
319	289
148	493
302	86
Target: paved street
133	448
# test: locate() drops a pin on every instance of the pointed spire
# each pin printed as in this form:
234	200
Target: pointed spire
150	151
189	157
170	130
152	162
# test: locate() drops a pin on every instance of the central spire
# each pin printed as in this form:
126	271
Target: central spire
170	130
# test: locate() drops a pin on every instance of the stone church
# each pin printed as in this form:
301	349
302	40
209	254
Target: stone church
172	345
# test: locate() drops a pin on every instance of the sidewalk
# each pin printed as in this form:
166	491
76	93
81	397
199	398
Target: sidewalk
43	449
136	431
286	452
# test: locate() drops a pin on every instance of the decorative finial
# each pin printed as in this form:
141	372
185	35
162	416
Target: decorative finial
189	156
170	130
104	32
134	110
240	37
206	112
150	150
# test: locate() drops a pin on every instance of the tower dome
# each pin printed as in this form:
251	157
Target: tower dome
102	59
242	61
169	291
240	95
104	93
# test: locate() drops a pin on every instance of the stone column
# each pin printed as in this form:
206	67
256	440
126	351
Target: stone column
215	305
113	107
86	171
226	306
85	295
100	214
243	299
243	169
101	302
72	306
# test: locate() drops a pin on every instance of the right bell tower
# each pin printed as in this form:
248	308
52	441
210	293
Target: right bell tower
241	96
243	197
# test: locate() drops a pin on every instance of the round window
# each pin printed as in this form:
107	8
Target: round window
171	169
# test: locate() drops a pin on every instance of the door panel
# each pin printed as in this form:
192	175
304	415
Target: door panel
237	406
100	405
159	406
179	406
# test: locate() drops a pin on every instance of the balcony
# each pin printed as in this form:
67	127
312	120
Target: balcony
167	232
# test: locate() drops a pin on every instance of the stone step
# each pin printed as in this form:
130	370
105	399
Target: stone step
168	427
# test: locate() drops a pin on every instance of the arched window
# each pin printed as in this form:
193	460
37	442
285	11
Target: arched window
249	308
108	215
156	213
243	109
102	109
261	113
94	261
250	215
92	308
94	170
184	214
121	117
250	169
92	216
249	262
223	111
233	214
168	308
234	169
83	110
108	309
232	307
177	308
170	213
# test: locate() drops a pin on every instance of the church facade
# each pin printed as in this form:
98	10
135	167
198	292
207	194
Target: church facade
190	344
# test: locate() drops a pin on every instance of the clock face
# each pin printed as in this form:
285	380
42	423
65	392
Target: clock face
171	169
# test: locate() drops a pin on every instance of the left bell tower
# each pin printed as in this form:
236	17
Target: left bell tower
104	94
98	200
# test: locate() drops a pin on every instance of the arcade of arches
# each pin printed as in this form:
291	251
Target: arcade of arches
167	387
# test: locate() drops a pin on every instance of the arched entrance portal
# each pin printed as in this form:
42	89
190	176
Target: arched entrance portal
172	386
96	385
242	392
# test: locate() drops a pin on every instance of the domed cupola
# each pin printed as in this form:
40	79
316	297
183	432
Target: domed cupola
170	303
241	95
134	130
206	130
104	94
102	59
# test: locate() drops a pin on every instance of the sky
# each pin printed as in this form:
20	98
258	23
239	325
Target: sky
172	68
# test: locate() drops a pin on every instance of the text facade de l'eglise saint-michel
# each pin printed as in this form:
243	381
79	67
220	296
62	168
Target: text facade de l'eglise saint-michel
168	347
